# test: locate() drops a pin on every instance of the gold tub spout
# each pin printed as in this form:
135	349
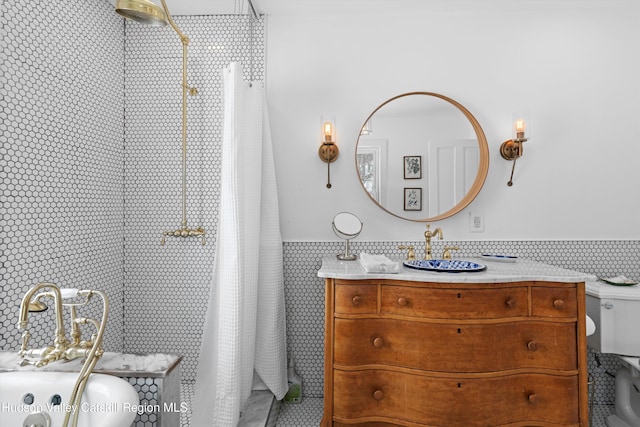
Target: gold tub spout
60	342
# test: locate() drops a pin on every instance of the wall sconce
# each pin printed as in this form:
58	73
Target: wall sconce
512	149
328	150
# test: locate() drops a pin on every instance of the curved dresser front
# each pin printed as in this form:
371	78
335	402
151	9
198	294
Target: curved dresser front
429	353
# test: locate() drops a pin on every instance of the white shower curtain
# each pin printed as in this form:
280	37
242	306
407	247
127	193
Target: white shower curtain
244	329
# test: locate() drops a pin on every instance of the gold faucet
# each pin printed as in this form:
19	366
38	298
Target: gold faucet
446	252
411	253
60	343
91	350
428	235
62	348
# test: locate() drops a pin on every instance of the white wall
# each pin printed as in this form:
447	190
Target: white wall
573	64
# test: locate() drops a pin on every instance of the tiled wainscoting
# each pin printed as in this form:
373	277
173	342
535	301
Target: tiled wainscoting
305	291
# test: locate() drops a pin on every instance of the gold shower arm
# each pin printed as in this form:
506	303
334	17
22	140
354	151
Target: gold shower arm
183	37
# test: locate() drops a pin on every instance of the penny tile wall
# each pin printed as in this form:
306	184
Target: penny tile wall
62	163
91	165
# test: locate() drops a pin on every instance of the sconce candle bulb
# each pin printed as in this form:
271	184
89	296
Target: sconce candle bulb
328	150
328	132
520	126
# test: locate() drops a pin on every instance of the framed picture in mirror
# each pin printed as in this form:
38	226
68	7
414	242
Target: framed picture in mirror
413	199
412	167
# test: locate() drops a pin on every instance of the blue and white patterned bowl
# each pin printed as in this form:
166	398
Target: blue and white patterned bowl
445	265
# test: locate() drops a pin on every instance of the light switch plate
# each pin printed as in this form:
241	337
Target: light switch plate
476	222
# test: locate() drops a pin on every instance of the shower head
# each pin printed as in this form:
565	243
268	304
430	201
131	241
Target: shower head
143	11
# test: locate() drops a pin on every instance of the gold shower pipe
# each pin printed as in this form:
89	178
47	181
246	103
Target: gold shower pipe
184	231
146	12
192	91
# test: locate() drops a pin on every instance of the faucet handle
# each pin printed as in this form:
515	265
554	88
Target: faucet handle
411	253
446	252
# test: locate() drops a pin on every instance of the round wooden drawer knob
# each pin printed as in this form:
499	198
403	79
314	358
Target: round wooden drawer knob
378	342
378	395
357	300
402	301
511	302
558	303
533	398
532	345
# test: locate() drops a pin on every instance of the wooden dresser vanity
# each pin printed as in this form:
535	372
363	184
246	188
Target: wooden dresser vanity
501	347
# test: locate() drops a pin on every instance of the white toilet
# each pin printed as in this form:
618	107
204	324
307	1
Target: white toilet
616	313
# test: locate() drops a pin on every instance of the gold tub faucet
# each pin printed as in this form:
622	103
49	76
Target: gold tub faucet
34	304
428	235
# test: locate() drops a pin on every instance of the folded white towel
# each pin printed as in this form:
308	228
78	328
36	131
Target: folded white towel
378	264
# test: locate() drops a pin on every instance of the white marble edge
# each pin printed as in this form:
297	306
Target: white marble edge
151	365
496	272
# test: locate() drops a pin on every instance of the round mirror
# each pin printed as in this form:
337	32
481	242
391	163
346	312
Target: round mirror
347	226
422	156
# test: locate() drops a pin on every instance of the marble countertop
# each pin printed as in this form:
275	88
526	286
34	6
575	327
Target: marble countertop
132	365
496	272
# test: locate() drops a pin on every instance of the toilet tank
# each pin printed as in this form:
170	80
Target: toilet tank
616	313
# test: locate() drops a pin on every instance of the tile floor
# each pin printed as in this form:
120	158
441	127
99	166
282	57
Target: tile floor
600	413
308	412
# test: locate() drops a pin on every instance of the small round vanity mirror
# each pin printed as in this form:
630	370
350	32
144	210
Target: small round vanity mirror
422	156
347	226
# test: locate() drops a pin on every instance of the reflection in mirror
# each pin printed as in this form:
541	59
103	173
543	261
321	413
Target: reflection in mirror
427	159
347	226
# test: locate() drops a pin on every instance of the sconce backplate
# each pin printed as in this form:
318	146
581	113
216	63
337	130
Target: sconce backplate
328	152
511	150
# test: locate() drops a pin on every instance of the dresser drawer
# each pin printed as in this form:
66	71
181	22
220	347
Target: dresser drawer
367	424
385	396
454	303
450	347
356	298
554	302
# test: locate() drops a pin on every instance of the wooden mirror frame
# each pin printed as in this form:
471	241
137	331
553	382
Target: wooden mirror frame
483	166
